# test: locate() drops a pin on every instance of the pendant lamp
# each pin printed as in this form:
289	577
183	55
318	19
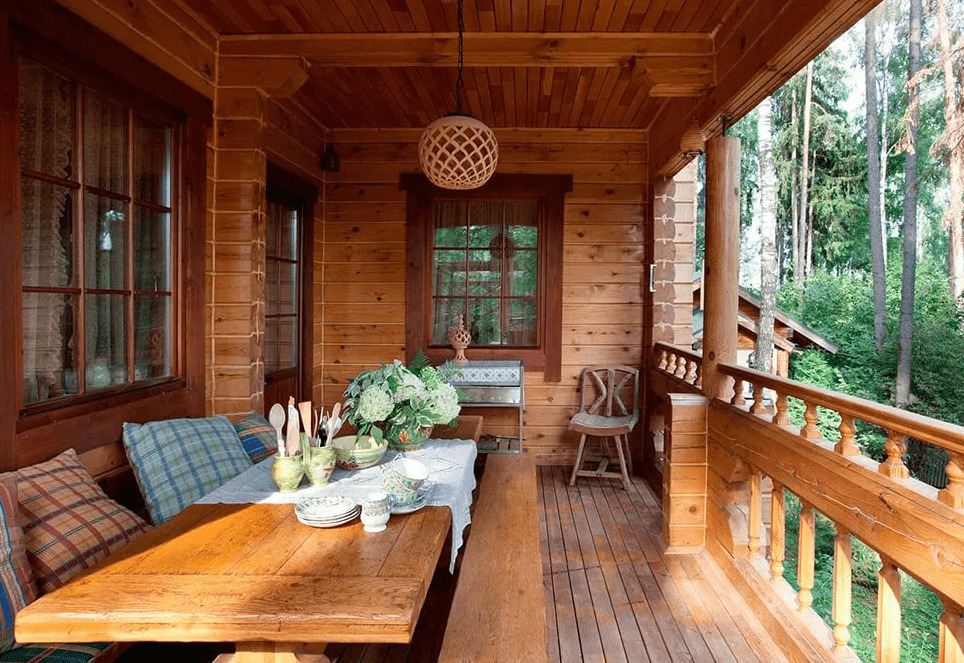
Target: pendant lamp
458	151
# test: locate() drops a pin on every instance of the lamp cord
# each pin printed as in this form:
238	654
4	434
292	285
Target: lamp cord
459	82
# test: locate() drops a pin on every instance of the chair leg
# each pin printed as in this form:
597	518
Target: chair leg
622	463
629	454
575	468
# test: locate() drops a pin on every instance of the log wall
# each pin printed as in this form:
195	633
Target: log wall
603	272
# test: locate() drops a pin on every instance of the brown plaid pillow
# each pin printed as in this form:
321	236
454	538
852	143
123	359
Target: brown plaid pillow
68	521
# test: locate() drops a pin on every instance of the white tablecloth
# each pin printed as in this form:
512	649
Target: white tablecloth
450	483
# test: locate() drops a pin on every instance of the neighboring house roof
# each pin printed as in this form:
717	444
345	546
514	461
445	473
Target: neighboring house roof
789	333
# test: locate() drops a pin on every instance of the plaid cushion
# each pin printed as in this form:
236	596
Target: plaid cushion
68	521
89	653
16	578
258	437
178	461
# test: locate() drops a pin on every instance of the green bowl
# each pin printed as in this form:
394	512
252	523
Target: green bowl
367	453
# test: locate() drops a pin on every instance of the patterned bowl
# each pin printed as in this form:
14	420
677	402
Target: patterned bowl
366	453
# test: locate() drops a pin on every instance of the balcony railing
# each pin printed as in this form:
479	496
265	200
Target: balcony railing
912	526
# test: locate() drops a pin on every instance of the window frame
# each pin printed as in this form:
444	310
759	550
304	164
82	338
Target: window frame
549	191
52	36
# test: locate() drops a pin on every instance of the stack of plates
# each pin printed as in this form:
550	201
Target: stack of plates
329	511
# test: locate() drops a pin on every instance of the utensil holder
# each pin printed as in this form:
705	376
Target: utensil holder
286	471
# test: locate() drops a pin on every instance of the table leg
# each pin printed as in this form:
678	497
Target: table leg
275	652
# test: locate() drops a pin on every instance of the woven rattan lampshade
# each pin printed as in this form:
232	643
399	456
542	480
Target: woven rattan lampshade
692	142
458	152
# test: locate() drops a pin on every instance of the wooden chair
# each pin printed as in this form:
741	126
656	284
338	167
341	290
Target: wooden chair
606	412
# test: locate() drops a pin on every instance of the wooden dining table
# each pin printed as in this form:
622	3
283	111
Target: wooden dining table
253	575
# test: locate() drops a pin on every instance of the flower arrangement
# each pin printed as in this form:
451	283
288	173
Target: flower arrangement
401	398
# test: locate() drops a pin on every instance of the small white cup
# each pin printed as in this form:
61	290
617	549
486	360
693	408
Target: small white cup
376	510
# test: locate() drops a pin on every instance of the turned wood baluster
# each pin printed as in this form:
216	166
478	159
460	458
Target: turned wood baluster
951	647
756	513
670	362
894	465
698	382
845	445
690	371
810	430
842	564
758	406
778	531
680	367
953	494
805	555
737	399
662	357
888	612
780	417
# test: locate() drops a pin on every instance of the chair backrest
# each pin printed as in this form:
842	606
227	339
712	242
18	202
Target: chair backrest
610	391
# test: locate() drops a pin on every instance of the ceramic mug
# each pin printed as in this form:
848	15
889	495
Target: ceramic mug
319	465
376	510
404	475
287	472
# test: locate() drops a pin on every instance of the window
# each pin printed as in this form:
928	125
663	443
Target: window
281	285
96	239
493	255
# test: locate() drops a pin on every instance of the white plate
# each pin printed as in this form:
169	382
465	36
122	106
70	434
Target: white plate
329	522
330	506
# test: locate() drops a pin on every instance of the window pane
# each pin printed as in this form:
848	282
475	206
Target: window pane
152	161
523	273
521	224
287	288
105	230
49	370
47	102
450	220
522	325
484	322
106	322
449	276
281	343
485	229
288	222
271	280
152	249
446	316
105	144
152	347
47	227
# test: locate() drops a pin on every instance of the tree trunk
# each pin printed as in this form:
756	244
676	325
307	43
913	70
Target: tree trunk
909	272
794	203
768	246
805	171
953	142
873	182
884	155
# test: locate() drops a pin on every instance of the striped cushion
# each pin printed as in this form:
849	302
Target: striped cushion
258	437
68	521
88	653
16	578
178	461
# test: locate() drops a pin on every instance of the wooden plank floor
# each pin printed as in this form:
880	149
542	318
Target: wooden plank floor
611	596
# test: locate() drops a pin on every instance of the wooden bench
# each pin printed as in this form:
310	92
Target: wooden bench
498	611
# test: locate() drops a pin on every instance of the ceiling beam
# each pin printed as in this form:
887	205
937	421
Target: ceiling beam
690	52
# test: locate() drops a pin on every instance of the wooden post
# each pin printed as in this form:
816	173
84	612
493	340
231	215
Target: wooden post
778	527
951	647
756	513
805	555
721	266
842	577
888	612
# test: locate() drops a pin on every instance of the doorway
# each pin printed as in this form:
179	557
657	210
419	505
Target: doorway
289	216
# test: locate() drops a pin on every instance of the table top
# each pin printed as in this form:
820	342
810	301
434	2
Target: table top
250	572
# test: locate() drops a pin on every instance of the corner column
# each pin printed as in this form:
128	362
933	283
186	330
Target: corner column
721	262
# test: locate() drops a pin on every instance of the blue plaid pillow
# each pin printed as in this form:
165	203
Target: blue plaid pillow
178	461
258	437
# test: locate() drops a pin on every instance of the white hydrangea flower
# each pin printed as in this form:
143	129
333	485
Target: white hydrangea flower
444	403
374	405
411	388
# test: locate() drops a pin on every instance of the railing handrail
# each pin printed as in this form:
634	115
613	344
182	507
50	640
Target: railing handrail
669	347
940	433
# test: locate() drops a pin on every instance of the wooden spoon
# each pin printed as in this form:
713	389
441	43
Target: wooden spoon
276	416
304	407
